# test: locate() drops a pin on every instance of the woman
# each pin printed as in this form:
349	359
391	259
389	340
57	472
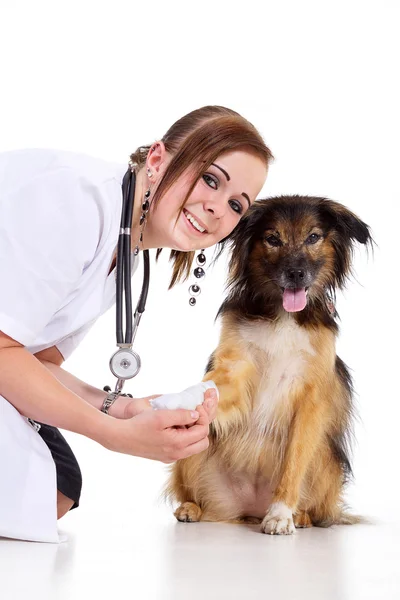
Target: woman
59	227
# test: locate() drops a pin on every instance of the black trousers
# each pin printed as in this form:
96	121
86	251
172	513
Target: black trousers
69	477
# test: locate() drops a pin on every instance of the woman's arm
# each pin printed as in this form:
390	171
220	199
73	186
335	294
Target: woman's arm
29	386
93	395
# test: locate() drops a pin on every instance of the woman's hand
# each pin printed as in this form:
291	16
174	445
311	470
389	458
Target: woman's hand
210	404
164	435
125	407
158	434
208	410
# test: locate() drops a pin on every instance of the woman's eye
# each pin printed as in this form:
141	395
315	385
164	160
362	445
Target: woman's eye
237	207
214	184
313	238
272	240
211	181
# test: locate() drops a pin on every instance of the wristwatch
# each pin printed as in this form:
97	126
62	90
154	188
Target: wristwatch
110	399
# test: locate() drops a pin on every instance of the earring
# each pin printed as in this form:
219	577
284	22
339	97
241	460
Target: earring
149	173
143	219
199	273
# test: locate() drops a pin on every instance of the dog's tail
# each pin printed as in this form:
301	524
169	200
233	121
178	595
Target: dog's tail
347	518
344	518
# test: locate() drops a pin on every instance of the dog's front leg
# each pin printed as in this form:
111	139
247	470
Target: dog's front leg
304	437
236	377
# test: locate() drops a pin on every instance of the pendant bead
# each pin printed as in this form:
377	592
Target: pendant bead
194	289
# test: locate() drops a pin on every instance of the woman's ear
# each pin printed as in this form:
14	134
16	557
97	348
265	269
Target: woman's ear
157	160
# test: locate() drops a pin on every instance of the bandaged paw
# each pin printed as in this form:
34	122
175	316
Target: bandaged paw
189	398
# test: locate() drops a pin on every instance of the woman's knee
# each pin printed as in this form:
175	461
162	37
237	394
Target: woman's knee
64	504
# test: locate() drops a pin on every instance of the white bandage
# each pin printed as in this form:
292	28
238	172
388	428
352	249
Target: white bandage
189	398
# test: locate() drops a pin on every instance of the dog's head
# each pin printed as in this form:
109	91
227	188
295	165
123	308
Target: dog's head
291	250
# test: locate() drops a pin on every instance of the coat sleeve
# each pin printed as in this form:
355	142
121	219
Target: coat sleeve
49	232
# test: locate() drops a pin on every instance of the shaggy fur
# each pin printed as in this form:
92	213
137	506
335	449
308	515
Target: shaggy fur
280	444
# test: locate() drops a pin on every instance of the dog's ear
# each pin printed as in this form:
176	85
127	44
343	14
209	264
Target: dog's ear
348	228
346	222
242	239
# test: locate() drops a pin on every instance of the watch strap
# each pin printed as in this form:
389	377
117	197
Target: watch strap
111	398
109	401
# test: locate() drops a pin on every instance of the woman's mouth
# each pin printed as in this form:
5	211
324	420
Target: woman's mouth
193	223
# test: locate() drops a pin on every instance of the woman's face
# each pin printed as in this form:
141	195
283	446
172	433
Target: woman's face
219	199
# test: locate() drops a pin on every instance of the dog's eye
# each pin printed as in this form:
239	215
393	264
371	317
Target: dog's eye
313	238
272	240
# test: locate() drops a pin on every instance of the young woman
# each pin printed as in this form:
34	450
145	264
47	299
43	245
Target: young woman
59	226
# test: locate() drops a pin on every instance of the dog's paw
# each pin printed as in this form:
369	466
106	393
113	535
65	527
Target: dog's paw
302	520
188	512
278	520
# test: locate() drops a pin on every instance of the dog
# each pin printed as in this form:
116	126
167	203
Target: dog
279	451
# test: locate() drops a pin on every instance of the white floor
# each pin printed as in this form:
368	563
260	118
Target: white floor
123	543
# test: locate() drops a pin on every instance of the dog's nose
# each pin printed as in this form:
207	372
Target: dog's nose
296	276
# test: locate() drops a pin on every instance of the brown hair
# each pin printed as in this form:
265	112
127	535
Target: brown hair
195	141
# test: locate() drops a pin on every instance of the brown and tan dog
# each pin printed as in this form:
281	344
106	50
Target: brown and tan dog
279	446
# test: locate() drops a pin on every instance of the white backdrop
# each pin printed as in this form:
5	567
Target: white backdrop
319	80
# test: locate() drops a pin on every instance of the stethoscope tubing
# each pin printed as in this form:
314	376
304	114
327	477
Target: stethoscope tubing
123	279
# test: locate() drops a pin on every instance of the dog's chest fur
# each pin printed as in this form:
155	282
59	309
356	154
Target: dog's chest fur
282	351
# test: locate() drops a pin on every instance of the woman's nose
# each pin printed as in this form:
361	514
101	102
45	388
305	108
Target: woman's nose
214	207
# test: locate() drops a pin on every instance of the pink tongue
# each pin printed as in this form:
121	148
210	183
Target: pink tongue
294	300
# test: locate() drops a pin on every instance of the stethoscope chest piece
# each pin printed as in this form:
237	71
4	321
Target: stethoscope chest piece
125	364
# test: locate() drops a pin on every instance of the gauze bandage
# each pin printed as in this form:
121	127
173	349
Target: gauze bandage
189	398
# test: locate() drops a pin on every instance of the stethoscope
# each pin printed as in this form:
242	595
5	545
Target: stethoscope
125	363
